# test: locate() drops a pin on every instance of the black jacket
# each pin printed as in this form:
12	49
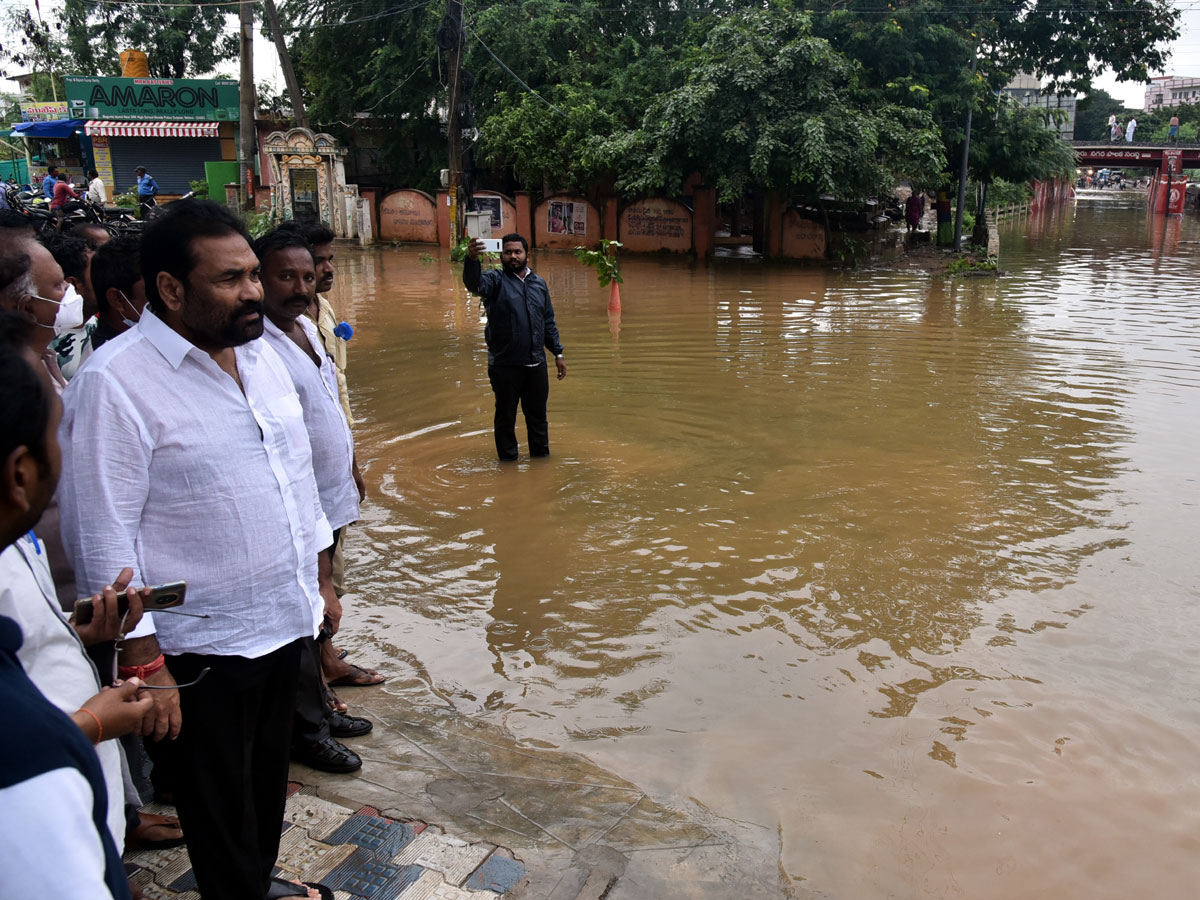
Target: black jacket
520	316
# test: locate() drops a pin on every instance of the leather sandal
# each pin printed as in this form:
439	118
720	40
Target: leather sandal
327	756
344	726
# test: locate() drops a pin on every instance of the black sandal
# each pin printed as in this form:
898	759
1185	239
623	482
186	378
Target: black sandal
281	887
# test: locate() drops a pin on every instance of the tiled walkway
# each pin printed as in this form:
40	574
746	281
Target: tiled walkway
357	853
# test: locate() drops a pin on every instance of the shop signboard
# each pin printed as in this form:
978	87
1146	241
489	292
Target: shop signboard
43	110
152	99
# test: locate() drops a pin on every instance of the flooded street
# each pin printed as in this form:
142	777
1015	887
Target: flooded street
896	571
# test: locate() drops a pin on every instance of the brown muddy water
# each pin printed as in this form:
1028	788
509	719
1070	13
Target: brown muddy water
899	570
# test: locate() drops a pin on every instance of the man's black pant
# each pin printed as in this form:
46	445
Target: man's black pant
529	386
231	758
311	723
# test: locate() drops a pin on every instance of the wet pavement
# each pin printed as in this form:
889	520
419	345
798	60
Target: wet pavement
448	807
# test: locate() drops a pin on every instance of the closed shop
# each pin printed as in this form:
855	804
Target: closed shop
173	152
175	162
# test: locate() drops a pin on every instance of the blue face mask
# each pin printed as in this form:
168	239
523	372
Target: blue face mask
129	323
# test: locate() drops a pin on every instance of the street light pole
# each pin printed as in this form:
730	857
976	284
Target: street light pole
453	123
962	175
247	138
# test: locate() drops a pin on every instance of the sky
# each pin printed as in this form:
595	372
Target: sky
1185	56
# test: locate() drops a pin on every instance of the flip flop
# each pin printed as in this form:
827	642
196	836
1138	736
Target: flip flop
281	887
358	677
133	842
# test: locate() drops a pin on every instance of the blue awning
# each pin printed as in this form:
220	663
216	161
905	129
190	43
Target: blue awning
56	128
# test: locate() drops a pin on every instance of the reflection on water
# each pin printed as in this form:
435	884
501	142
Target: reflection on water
898	567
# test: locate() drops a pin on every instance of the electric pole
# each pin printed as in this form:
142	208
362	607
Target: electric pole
246	129
962	175
453	124
285	60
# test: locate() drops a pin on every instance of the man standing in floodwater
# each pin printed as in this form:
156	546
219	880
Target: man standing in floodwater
520	329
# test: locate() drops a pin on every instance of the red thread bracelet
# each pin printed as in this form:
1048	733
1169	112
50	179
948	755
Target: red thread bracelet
96	718
142	671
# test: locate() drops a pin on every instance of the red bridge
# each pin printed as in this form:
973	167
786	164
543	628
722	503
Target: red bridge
1119	154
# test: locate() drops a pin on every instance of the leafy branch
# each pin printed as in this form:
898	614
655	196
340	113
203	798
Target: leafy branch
604	261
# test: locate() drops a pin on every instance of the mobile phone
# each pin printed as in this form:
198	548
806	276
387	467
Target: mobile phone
490	245
162	596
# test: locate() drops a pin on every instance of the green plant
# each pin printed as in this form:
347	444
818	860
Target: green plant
969	265
128	200
604	261
259	223
426	258
199	188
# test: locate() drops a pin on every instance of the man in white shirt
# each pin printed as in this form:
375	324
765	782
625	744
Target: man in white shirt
188	433
96	191
288	277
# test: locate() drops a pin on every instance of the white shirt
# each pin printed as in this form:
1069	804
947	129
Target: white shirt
53	656
332	442
51	847
97	192
168	468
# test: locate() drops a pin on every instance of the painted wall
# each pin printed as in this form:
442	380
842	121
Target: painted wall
565	222
655	224
801	238
409	216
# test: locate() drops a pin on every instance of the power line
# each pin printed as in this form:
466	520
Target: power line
518	78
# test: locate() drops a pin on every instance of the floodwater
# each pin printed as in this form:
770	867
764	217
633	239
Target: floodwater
896	570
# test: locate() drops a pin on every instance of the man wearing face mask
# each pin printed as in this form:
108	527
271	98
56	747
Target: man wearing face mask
74	256
119	288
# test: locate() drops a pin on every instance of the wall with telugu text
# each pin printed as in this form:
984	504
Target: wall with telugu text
656	224
408	216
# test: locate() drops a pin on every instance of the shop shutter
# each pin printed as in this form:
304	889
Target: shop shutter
174	162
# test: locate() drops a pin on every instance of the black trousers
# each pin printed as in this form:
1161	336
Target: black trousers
231	758
529	386
312	713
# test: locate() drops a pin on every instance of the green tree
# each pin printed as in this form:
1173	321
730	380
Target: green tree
179	39
768	104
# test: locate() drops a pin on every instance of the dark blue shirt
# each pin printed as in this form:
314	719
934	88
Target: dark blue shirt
520	315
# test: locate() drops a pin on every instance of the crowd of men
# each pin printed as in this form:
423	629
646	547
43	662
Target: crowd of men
149	436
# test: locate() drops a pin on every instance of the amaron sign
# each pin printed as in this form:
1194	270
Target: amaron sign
172	99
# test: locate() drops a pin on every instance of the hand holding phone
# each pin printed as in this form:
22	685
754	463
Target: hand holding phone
111	613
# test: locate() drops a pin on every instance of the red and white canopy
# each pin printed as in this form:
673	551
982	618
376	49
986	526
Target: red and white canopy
153	129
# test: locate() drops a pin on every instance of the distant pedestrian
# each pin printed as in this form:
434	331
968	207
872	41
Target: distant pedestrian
1174	132
1112	126
1129	130
1115	132
914	209
96	191
49	182
147	190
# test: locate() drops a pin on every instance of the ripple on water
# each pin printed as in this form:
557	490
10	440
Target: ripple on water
922	543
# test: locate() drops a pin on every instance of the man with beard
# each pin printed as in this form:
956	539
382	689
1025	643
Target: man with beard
339	671
287	279
188	434
520	324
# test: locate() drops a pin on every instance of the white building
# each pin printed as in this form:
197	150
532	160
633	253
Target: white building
1028	91
1171	90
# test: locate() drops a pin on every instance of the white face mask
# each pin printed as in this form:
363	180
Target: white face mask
129	323
70	311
